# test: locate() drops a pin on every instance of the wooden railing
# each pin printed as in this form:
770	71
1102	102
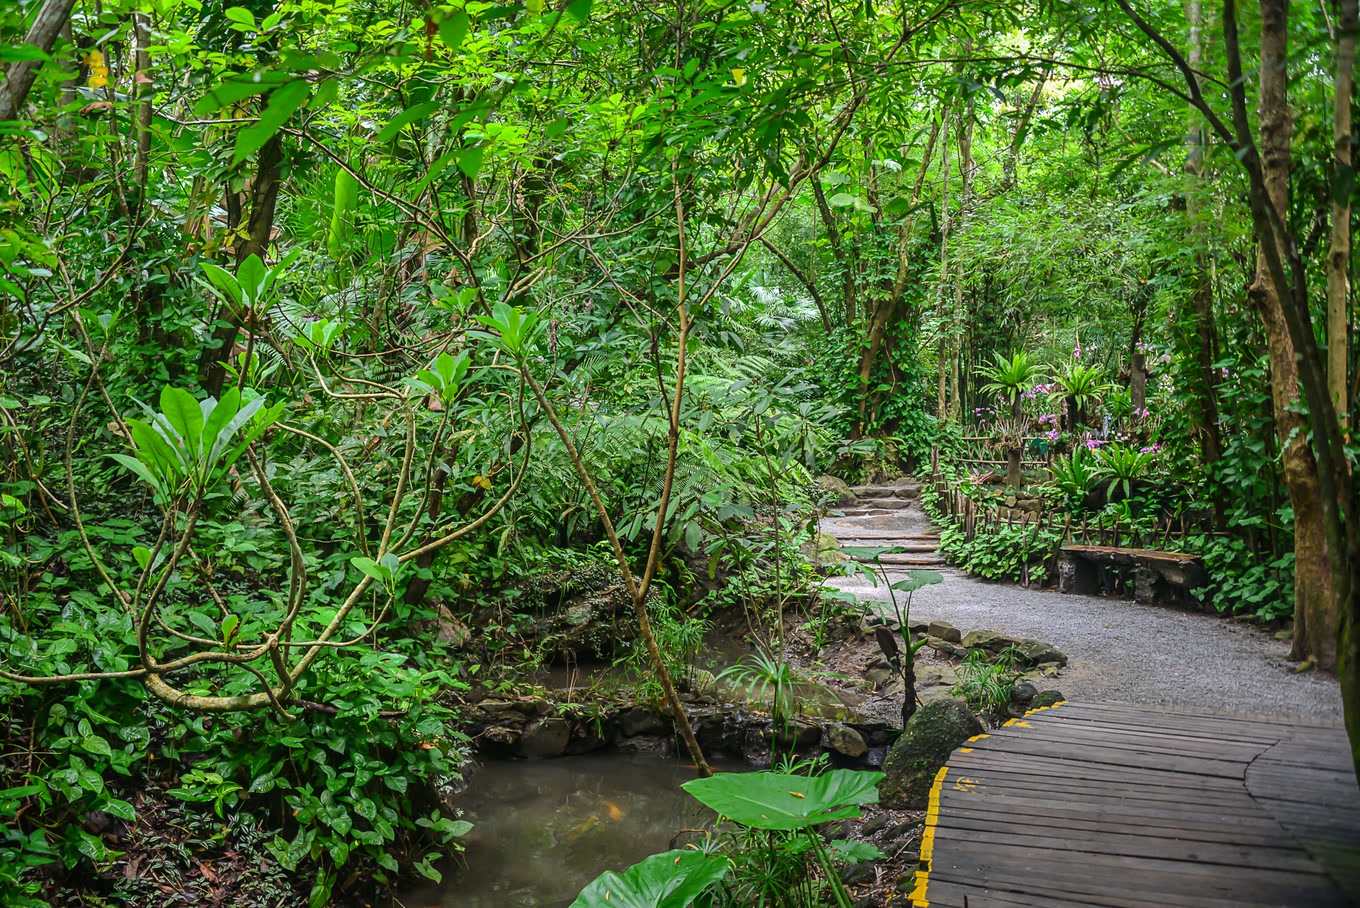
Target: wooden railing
980	453
973	518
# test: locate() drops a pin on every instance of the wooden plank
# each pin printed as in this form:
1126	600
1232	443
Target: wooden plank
1140	890
1135	807
1150	554
948	894
1170	824
1224	724
1138	739
992	832
1248	724
1057	772
1113	756
1112	803
1092	874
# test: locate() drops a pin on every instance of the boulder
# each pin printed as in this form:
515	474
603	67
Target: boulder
872	826
547	737
944	646
823	551
879	676
497	740
799	735
846	741
1036	652
945	631
866	872
924	746
933	674
1023	694
649	745
901	830
988	639
451	631
1047	698
839	488
642	721
584	739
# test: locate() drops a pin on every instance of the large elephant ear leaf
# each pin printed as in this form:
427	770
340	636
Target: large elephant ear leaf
773	800
670	880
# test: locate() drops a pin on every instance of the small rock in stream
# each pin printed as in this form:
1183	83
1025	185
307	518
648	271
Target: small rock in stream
545	738
846	741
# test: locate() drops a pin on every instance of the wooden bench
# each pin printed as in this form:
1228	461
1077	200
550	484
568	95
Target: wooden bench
1159	577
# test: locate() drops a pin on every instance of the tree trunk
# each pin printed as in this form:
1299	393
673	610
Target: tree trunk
1008	164
886	310
1314	610
52	18
264	195
1138	377
1339	251
1202	296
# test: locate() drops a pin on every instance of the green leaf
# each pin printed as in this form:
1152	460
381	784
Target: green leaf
454	29
142	471
23	53
225	282
283	101
120	809
372	569
853	852
96	745
410	115
673	879
897	206
182	410
234	90
240	15
470	161
772	800
580	9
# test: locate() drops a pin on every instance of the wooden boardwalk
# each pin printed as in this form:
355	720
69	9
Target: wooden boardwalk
1136	807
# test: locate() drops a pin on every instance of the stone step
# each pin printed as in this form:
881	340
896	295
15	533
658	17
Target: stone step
933	559
903	549
905	492
887	504
870	536
879	543
866	512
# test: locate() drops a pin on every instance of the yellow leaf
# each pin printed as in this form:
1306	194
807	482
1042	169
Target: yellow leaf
739	76
482	482
99	72
797	794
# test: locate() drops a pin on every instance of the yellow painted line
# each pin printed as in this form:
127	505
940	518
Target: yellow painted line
1008	723
918	893
918	897
1039	709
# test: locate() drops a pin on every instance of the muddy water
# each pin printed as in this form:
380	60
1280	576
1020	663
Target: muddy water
543	830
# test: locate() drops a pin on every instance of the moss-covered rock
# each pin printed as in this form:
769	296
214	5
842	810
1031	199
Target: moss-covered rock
925	745
1047	698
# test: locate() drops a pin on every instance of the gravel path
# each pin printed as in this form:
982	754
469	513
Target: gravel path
1118	650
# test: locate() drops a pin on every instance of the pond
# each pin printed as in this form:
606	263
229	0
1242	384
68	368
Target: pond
543	830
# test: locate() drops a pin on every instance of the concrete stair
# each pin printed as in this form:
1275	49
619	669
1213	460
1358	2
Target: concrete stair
887	516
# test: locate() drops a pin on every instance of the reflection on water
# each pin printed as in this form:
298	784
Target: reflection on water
543	830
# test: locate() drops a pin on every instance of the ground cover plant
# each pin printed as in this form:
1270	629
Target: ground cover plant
350	351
